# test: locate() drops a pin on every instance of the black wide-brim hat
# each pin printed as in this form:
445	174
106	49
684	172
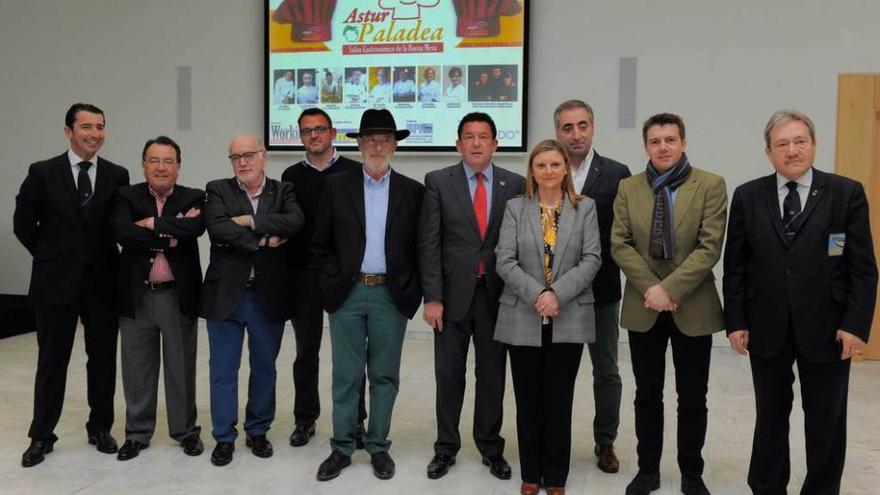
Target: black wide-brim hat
378	122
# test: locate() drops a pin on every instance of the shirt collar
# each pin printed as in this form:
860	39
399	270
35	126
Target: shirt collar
805	180
75	159
371	182
588	160
333	159
470	173
160	196
245	189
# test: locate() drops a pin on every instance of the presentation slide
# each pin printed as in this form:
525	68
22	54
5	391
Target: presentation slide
429	62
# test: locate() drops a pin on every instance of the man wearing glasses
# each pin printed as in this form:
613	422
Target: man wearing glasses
308	177
248	217
364	247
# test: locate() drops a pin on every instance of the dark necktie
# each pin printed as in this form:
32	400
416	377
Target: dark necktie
791	208
84	183
480	210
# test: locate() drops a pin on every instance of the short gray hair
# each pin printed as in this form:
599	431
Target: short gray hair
571	105
784	117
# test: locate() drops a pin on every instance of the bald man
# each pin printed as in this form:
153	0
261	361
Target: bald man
248	218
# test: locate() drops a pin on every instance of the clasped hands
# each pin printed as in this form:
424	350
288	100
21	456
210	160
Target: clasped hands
657	299
547	304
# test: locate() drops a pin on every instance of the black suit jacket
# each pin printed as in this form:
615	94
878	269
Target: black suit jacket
72	250
140	245
235	249
601	186
450	247
339	240
772	284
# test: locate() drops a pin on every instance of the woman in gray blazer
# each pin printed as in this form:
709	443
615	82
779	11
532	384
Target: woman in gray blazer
548	253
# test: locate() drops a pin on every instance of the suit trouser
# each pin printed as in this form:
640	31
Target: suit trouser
225	339
308	328
607	386
56	329
365	331
824	389
450	370
543	382
691	357
158	322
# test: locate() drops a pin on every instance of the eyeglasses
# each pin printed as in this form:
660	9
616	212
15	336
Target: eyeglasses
308	131
244	156
378	140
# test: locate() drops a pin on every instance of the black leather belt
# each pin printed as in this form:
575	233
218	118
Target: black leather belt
372	278
160	285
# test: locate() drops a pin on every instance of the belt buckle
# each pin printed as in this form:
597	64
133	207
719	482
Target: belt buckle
369	279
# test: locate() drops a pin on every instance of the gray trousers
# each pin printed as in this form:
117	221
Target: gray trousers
158	320
607	386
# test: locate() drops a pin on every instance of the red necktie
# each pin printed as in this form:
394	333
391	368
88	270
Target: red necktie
481	213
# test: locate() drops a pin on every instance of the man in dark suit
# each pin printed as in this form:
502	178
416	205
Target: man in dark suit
597	177
800	282
308	177
247	285
158	223
460	218
365	250
62	217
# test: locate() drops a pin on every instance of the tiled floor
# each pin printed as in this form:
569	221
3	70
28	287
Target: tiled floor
75	467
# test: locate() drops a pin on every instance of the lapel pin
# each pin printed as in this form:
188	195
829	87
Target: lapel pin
501	183
815	192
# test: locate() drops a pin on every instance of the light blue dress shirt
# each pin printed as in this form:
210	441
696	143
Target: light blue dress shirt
375	216
487	182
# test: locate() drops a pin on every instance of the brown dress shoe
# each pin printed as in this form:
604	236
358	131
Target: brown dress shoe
529	488
555	490
608	462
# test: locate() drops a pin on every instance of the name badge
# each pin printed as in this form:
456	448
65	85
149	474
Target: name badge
836	243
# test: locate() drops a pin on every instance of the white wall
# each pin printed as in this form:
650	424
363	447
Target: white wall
724	66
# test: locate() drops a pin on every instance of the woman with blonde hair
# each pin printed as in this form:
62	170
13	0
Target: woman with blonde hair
548	253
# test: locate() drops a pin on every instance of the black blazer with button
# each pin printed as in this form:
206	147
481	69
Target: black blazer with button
339	240
773	285
140	245
235	249
68	245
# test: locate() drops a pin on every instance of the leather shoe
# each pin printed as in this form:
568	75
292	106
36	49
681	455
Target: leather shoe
439	465
104	442
36	452
301	434
260	445
222	454
383	465
359	436
333	465
130	449
555	490
608	461
644	483
529	488
693	485
192	445
498	466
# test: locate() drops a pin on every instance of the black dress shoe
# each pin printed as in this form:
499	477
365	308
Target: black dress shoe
333	465
104	441
498	466
439	465
383	465
359	436
693	485
130	449
301	434
192	445
644	483
222	454
36	452
260	446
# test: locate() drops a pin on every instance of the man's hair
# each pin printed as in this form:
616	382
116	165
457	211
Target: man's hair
455	70
784	117
571	105
478	117
74	109
308	112
662	119
164	141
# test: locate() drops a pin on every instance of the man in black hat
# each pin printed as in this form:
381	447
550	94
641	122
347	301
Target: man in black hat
364	249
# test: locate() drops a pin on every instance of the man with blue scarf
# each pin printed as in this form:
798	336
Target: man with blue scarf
668	229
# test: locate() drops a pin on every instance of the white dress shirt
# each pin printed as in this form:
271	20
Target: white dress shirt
804	182
74	168
580	175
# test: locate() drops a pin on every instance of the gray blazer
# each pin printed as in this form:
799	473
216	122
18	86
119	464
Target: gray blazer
520	253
